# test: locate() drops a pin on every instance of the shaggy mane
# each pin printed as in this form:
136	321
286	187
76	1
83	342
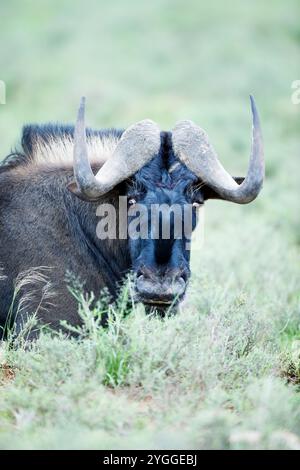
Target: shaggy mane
52	145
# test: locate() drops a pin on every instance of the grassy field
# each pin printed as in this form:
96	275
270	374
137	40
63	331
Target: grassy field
225	372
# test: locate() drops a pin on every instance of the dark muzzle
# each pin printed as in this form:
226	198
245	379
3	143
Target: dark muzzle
160	290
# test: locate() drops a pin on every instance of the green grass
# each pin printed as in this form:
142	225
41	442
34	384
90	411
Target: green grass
225	372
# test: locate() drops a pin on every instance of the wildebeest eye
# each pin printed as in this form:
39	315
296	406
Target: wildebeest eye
131	201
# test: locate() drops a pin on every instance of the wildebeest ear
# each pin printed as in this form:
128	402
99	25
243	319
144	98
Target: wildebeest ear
210	193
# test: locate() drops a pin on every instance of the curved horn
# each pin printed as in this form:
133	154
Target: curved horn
192	146
137	146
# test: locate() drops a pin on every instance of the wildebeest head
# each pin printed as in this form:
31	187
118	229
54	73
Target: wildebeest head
168	176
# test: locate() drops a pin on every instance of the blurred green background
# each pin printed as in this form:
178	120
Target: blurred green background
166	59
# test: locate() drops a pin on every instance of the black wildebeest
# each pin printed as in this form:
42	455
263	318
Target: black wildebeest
51	188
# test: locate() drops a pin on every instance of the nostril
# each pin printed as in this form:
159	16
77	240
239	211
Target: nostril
139	273
143	271
184	275
181	274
